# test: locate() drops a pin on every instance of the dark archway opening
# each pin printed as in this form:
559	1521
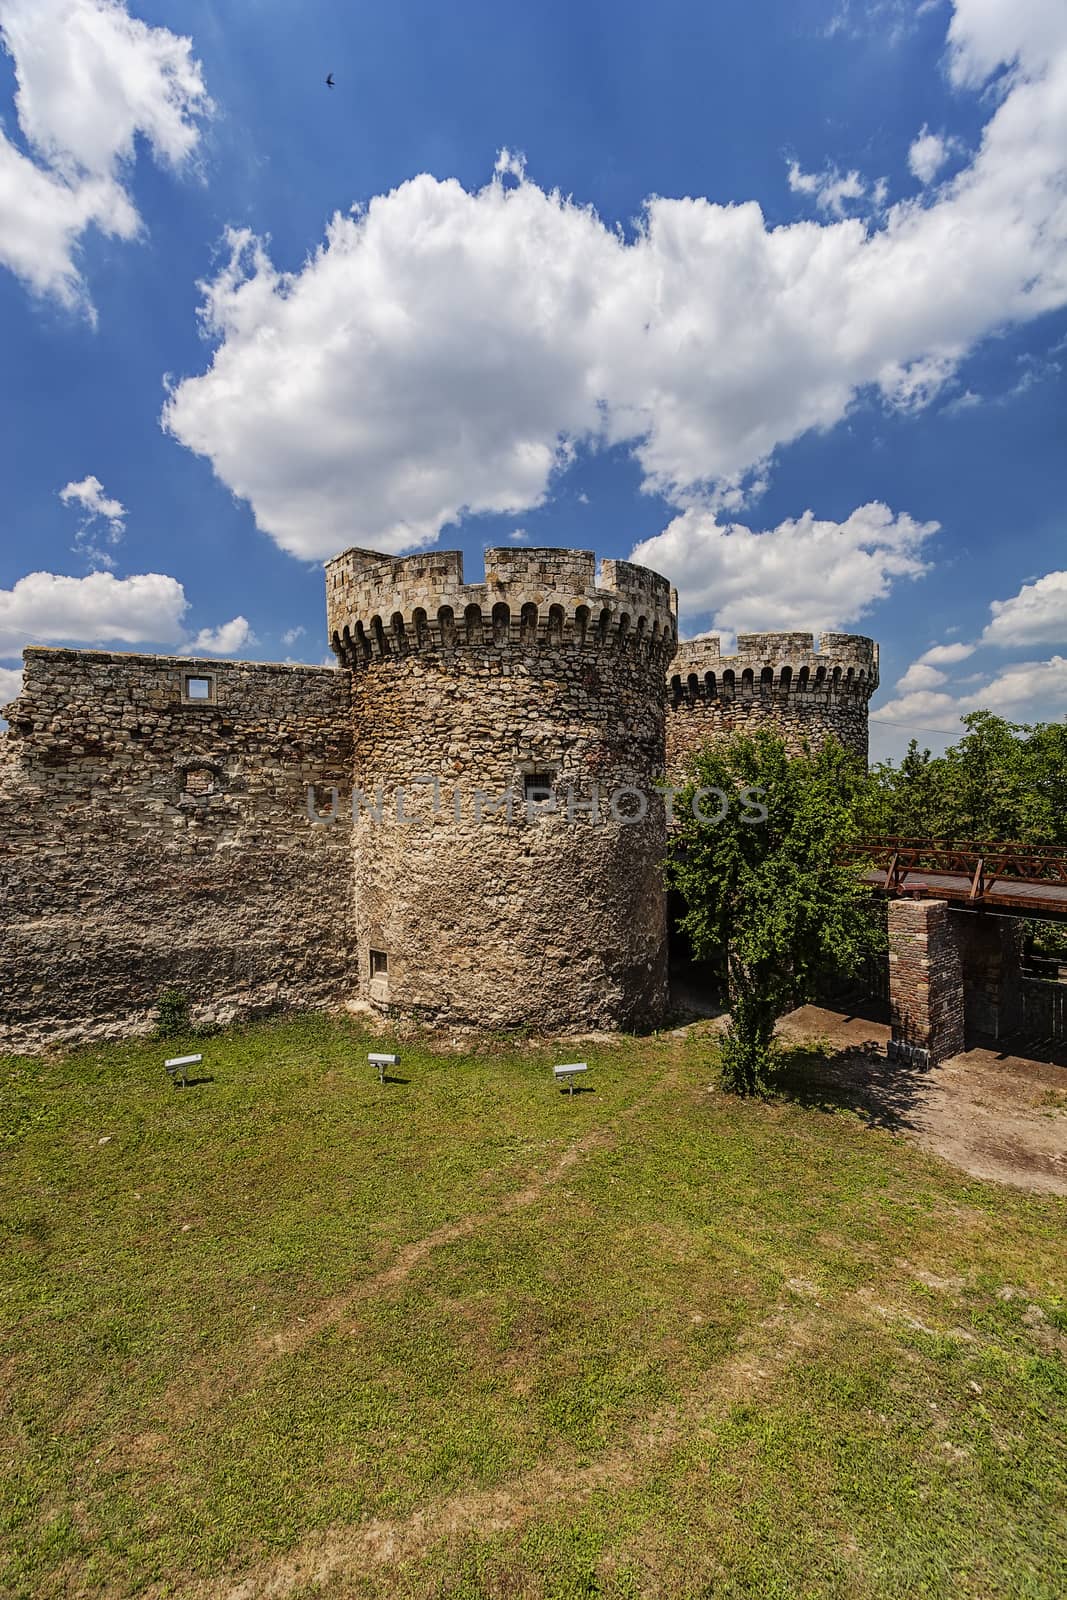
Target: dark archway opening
696	986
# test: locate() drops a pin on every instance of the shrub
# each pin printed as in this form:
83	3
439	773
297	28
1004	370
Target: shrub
172	1013
747	1056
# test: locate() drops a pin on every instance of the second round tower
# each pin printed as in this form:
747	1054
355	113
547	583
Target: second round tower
775	680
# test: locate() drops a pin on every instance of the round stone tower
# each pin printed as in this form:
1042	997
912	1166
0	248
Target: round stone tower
775	679
507	835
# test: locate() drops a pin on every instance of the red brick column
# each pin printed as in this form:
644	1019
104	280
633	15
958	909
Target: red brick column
925	982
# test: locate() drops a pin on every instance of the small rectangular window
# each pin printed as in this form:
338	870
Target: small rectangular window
537	786
197	687
379	963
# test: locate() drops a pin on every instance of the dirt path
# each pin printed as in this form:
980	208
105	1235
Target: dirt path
200	1390
790	1330
794	1328
995	1116
410	1255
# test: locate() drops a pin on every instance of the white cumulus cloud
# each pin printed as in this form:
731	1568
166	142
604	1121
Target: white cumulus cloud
10	684
806	573
919	676
928	154
1036	615
1038	687
45	608
224	640
417	367
510	164
923	711
42	218
946	655
1028	691
91	81
103	521
445	352
1024	691
986	34
89	494
832	190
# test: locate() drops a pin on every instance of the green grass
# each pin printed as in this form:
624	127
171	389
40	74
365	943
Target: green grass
322	1336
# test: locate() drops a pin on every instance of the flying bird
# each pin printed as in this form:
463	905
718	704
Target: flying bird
329	80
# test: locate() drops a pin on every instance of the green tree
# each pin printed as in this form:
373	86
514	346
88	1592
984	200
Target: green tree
908	800
1046	744
988	783
776	897
1001	782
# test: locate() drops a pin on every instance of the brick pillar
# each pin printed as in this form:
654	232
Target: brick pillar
925	982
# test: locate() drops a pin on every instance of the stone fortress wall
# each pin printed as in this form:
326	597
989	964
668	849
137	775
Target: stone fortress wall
151	840
780	680
154	830
476	908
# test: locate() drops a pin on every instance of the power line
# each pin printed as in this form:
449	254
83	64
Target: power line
910	727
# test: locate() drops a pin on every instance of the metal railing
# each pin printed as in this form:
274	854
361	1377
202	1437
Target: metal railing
979	874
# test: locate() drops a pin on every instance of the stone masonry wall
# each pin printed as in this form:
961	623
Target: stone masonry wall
776	680
461	691
925	982
151	840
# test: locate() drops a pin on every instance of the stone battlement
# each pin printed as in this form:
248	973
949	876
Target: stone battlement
379	605
789	663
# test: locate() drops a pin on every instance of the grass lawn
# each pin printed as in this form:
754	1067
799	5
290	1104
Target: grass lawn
292	1333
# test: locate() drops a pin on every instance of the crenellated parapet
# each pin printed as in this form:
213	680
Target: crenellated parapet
381	606
787	663
808	691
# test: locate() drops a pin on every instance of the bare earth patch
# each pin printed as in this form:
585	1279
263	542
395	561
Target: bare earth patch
992	1115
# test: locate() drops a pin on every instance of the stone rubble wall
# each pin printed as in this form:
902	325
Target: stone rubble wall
776	680
149	843
151	840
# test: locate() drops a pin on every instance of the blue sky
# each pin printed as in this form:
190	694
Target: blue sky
556	315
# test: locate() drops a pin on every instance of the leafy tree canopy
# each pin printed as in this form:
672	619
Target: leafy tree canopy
778	896
1002	781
